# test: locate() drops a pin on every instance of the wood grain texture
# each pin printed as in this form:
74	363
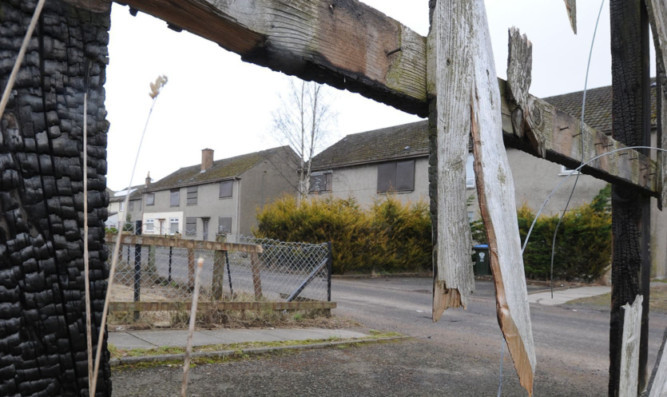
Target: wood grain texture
343	43
347	45
185	306
450	63
161	241
632	315
571	6
657	12
562	139
495	190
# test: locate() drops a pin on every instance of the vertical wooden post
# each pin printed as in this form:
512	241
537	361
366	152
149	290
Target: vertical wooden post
191	268
256	279
630	210
449	80
218	270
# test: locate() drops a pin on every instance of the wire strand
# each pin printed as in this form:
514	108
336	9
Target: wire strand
581	127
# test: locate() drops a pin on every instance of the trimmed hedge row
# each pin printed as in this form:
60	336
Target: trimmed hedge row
390	236
583	243
396	237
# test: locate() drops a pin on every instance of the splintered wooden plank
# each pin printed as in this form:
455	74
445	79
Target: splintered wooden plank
657	12
345	44
161	241
632	320
495	190
571	6
450	62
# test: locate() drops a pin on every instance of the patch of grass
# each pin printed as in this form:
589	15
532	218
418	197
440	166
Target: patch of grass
658	299
239	348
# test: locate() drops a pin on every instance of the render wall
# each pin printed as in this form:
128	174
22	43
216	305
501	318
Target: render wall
209	205
263	184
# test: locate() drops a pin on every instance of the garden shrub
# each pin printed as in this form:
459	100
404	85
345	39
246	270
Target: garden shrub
583	243
390	236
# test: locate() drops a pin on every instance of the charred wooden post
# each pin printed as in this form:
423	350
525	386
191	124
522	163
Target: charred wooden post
42	337
630	209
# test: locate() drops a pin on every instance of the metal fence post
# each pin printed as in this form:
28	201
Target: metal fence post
329	270
191	269
218	269
137	270
171	251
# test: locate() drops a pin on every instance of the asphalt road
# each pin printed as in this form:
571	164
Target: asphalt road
458	356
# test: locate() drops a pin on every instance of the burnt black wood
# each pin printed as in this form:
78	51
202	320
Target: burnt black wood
630	209
42	309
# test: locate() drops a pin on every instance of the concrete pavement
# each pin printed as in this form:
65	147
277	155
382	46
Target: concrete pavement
151	339
316	337
563	295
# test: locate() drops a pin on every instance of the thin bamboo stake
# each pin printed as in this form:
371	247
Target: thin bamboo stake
155	91
191	330
19	58
86	261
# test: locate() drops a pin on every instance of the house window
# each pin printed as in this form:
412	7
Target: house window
121	207
190	226
174	198
320	182
173	225
224	225
226	189
397	176
150	199
470	171
135	205
149	226
192	195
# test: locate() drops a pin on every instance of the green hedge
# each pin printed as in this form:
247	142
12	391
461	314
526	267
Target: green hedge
583	243
390	236
396	237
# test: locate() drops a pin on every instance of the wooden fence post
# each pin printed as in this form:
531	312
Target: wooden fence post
256	279
630	209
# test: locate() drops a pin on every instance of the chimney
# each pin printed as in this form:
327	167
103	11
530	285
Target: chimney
148	179
206	159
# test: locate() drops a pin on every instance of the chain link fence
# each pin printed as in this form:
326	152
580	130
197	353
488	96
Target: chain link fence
281	272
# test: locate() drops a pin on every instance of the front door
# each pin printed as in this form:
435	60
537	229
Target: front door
204	222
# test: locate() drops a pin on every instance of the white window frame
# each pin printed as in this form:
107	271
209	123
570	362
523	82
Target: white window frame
149	226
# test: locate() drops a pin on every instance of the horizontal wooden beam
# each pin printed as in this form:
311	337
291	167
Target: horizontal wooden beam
561	138
345	44
349	45
162	241
185	306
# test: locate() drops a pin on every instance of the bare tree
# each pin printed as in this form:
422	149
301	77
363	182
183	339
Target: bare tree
302	121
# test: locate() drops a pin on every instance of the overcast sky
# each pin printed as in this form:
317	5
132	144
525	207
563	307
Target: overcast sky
215	100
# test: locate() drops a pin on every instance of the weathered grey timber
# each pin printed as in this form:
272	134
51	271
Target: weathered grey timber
657	13
42	333
571	6
632	320
387	62
450	82
346	44
495	192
